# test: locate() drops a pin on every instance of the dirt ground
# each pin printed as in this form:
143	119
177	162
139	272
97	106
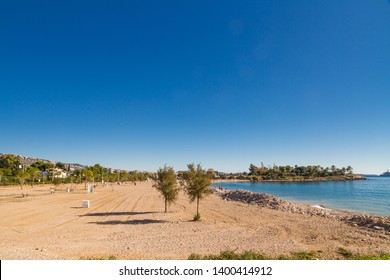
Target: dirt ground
128	222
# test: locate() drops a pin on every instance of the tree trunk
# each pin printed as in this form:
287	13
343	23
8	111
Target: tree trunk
166	206
197	205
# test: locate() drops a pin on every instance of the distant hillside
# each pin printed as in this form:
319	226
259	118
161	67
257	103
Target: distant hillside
30	160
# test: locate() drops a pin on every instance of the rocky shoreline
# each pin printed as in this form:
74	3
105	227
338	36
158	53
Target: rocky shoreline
371	222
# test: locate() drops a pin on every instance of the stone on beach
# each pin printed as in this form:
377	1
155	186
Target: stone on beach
272	202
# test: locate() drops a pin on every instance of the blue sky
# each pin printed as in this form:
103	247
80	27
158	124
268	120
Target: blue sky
137	84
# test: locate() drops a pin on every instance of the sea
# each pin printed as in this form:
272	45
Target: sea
371	196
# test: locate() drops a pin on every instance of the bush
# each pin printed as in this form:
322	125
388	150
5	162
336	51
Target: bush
251	255
229	255
344	252
380	257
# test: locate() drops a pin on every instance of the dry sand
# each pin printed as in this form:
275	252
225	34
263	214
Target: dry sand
128	222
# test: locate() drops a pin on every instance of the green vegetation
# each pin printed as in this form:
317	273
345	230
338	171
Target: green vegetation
230	255
43	166
299	173
350	256
15	171
34	174
382	257
166	184
21	177
196	217
251	255
10	162
344	252
87	175
196	183
299	256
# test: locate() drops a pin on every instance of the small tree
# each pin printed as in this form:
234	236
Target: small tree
1	174
166	184
56	182
211	173
21	177
88	176
197	185
60	165
34	173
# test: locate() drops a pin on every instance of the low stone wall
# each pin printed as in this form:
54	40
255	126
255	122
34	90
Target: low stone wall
377	223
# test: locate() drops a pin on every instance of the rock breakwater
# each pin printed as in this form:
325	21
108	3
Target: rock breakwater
372	222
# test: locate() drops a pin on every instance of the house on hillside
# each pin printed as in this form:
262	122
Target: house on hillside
59	173
56	173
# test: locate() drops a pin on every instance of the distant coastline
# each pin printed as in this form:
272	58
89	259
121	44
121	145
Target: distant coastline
384	174
319	179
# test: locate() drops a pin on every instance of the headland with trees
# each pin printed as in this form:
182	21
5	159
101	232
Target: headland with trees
300	173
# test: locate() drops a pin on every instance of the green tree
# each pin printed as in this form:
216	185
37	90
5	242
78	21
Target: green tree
112	177
9	161
88	176
166	184
34	173
253	170
132	177
197	185
1	174
56	182
333	169
211	173
98	172
43	166
77	174
123	176
5	174
21	177
60	165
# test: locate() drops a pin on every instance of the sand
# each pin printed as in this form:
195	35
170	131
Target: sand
128	222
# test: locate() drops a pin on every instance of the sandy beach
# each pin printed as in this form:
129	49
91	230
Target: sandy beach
128	222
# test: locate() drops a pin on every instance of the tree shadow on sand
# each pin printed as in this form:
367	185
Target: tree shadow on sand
129	222
103	214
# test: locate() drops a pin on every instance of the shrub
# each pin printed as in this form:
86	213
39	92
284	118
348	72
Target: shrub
229	255
197	217
344	252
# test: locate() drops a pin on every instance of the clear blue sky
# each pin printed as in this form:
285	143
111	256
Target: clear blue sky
137	84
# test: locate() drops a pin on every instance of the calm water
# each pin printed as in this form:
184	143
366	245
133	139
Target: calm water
366	196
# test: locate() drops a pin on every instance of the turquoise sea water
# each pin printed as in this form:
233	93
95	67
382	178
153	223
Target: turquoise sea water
367	196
